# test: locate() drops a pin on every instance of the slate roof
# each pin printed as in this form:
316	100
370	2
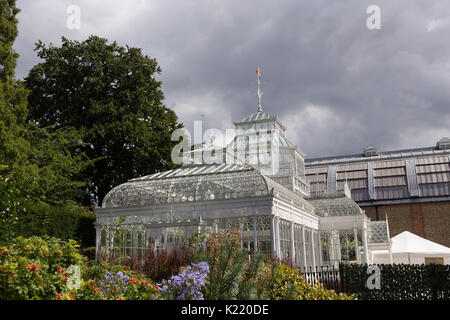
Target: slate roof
395	175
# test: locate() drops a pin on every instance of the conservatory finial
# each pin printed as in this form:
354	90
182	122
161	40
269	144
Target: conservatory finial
259	90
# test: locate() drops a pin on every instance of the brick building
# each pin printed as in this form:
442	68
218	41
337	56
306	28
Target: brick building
411	187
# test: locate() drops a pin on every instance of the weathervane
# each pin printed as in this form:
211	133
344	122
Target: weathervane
259	90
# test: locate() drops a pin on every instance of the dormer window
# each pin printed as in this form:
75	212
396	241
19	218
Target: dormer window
371	151
443	144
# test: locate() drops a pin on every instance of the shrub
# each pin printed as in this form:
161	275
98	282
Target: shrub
232	274
85	232
159	265
34	268
105	281
68	221
287	283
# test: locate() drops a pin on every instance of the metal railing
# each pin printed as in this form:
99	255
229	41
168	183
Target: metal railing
328	276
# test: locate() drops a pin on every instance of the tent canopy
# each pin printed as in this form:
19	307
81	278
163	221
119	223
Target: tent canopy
407	242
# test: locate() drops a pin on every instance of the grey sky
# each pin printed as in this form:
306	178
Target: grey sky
336	85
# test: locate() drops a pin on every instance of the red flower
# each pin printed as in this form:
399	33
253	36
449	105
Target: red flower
59	296
133	280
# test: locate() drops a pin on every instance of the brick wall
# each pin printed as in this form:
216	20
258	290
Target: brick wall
436	222
428	220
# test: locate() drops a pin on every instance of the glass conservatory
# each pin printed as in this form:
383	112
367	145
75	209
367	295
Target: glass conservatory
268	201
160	210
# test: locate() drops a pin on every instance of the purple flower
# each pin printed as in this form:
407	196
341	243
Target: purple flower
114	283
186	285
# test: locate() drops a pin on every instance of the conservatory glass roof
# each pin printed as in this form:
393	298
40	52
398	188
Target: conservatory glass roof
257	116
330	206
198	183
277	140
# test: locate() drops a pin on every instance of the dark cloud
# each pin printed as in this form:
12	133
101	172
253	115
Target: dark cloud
337	85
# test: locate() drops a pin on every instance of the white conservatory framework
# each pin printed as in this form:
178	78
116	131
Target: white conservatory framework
272	207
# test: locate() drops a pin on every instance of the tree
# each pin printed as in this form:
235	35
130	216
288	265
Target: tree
13	145
110	95
13	99
37	167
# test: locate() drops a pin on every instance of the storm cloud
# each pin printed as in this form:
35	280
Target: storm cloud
337	85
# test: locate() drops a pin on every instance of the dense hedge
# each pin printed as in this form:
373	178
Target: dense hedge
63	222
398	282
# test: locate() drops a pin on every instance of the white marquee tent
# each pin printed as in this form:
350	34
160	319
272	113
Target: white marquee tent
409	248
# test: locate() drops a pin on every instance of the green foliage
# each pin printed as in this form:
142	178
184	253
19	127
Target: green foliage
226	264
398	282
36	268
65	222
29	267
85	232
110	95
13	112
233	274
8	31
247	288
13	97
58	164
37	167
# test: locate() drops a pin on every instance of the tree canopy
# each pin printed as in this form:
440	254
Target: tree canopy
13	99
38	167
110	96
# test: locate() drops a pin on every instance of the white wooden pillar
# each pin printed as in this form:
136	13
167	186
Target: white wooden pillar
255	235
313	250
292	244
364	240
391	260
272	236
319	246
277	237
304	246
358	259
98	240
